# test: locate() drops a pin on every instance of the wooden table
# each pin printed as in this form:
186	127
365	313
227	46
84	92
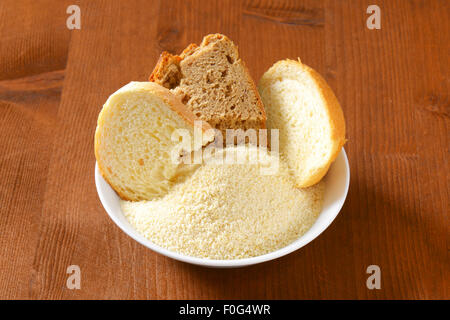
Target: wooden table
393	84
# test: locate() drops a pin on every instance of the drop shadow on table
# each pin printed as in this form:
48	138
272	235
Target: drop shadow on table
374	227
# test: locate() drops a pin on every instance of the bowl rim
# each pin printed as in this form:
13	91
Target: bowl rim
295	245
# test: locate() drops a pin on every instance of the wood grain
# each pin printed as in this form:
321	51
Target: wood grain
393	85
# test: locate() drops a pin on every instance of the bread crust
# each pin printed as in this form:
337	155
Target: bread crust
159	72
335	116
252	84
176	105
337	121
167	59
170	99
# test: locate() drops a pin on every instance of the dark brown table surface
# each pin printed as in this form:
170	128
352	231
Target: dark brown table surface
393	85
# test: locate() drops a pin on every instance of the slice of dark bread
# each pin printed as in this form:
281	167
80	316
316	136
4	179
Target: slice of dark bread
214	83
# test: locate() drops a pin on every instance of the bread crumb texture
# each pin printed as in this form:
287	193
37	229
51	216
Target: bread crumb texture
229	211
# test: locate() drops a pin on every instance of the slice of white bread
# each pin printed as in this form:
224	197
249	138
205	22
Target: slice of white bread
214	83
310	120
133	140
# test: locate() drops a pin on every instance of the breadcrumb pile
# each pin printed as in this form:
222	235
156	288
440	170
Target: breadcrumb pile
229	211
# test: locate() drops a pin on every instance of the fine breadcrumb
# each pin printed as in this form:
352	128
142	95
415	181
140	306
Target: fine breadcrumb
229	211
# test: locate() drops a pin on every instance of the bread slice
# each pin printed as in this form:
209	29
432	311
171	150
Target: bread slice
133	140
311	124
214	83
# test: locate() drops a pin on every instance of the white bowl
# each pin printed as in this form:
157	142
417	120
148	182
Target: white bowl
336	186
